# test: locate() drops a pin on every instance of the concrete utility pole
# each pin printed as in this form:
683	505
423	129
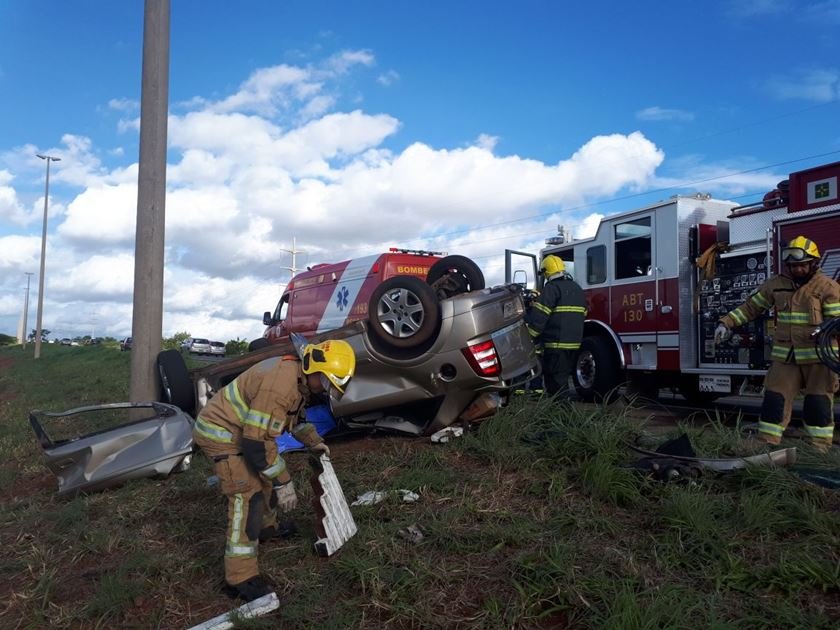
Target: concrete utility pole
49	159
28	275
147	322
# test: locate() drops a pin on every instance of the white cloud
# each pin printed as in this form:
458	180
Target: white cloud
588	226
663	113
123	104
757	8
487	142
345	60
388	78
272	162
19	253
817	85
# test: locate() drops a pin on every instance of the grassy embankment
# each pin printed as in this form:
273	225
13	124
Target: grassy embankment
530	521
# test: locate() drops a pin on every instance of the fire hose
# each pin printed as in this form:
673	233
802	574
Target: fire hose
826	342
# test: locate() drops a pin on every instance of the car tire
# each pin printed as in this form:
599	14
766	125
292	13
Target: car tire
176	385
403	312
596	372
258	344
454	275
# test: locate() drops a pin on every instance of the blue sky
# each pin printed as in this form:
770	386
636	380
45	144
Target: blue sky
355	126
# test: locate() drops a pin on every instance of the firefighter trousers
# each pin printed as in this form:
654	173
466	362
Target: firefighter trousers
252	506
782	385
557	368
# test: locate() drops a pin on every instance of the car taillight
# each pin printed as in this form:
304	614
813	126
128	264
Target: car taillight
483	359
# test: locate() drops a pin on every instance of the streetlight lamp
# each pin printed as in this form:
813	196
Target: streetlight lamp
49	159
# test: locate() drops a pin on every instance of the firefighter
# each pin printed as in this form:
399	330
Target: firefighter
555	321
237	430
802	298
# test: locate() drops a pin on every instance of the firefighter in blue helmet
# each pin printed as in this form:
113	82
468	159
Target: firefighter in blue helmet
555	321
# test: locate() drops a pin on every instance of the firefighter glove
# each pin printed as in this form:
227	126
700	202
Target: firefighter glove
320	447
722	333
286	496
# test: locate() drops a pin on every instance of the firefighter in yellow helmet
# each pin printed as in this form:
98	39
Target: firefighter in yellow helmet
555	321
802	298
238	430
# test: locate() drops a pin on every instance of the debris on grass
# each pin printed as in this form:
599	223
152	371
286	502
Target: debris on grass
251	610
447	434
371	497
408	496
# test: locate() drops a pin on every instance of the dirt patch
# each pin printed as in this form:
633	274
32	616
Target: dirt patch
25	487
355	444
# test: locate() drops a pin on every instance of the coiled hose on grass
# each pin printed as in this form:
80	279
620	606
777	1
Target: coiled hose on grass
827	344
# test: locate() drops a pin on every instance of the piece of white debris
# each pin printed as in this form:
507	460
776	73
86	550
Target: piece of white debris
446	434
256	608
408	496
371	497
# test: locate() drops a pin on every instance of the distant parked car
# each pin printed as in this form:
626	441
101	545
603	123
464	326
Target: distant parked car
125	344
66	341
200	346
217	348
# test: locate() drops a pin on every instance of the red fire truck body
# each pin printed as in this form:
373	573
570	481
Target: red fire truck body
652	312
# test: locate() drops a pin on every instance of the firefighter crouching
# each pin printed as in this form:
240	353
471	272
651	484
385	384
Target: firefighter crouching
237	430
802	299
555	321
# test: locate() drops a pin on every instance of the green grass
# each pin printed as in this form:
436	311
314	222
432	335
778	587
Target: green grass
532	520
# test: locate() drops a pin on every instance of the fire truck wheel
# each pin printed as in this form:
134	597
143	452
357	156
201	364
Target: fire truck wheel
176	386
596	371
454	275
256	344
403	312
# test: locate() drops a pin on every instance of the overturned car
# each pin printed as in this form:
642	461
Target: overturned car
426	353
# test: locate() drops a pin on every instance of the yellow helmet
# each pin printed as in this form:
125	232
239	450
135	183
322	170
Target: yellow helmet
799	249
334	359
551	265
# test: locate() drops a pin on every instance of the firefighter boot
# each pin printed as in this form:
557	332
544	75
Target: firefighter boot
249	590
818	406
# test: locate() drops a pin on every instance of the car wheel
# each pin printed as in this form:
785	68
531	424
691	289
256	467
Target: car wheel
596	374
175	380
454	275
403	312
257	344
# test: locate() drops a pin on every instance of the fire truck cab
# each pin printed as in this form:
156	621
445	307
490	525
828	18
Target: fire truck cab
652	312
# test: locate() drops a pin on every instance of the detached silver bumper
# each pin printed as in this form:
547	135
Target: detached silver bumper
157	444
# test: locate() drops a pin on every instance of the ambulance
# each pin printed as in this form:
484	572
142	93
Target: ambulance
398	292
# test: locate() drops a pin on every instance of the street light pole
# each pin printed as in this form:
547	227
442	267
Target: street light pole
49	159
28	275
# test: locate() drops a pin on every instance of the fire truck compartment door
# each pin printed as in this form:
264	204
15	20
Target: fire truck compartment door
521	268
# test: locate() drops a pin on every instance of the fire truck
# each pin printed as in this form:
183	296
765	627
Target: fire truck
652	310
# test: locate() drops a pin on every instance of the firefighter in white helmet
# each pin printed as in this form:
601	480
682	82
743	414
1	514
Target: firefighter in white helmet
238	430
802	298
555	321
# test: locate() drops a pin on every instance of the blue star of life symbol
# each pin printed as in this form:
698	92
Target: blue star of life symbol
341	301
